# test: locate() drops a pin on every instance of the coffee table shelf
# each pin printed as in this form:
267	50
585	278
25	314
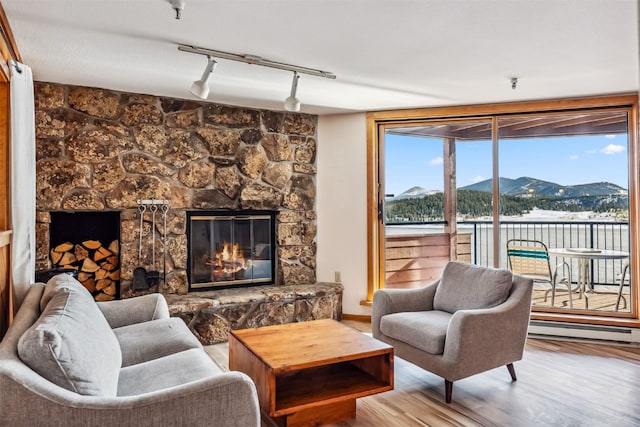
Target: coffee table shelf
311	373
302	389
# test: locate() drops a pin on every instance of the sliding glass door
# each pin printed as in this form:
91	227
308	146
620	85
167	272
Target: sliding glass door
564	182
464	187
424	164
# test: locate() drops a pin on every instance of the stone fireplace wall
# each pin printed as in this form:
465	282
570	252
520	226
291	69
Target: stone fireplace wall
103	150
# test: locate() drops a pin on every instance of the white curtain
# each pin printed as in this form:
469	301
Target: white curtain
23	180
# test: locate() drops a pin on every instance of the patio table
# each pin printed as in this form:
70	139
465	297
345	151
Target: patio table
585	256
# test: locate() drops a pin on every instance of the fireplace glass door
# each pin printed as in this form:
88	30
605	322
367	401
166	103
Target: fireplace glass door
230	249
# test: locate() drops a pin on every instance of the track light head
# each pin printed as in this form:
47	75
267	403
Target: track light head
200	88
292	103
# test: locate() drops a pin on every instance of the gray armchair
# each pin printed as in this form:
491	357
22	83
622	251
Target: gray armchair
469	321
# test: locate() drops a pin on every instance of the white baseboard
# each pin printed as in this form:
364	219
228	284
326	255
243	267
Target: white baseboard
560	330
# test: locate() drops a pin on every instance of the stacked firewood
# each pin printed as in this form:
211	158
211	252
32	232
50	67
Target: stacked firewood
98	266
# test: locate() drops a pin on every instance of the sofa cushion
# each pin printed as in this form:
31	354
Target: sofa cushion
169	371
71	343
141	342
425	330
468	287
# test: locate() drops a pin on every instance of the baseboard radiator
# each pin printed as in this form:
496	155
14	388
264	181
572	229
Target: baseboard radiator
561	330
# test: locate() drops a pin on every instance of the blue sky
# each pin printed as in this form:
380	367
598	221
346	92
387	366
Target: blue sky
411	161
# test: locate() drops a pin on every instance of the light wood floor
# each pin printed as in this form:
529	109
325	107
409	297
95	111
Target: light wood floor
559	384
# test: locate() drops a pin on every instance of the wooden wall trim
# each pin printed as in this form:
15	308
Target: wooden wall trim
4	155
479	110
7	46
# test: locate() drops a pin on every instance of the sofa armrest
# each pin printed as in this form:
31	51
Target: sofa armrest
485	338
225	400
387	301
134	310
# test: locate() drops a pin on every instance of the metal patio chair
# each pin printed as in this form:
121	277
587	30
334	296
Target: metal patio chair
623	277
530	258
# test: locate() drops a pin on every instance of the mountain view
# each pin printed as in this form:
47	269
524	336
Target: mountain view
525	185
518	197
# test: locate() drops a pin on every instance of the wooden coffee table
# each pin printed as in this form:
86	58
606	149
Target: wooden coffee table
311	373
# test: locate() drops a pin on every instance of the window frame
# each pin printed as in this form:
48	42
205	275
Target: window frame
378	121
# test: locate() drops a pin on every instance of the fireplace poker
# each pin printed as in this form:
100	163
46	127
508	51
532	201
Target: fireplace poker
140	273
153	276
165	210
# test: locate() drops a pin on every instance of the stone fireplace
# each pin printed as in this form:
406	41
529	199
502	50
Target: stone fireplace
227	249
104	150
101	150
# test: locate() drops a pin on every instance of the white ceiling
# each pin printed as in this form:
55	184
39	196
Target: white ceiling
387	54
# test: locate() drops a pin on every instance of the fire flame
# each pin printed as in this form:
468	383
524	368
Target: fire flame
227	261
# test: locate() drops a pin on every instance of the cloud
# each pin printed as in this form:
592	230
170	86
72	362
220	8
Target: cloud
435	161
573	157
610	136
612	149
477	179
591	152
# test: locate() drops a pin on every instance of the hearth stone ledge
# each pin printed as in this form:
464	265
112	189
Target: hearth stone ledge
212	314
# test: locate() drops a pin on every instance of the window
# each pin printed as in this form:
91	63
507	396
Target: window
562	177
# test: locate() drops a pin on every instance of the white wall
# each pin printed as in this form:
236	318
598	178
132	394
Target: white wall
342	206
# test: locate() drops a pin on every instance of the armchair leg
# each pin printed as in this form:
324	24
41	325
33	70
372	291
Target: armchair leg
512	371
448	388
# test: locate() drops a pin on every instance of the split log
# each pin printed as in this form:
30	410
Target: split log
110	290
80	252
64	247
89	266
104	297
101	273
102	283
101	253
92	244
114	247
107	266
56	257
83	276
68	258
90	284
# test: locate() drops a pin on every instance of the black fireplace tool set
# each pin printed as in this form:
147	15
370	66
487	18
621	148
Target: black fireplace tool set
143	278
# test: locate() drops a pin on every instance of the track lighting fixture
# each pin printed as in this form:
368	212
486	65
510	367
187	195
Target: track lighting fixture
200	88
292	103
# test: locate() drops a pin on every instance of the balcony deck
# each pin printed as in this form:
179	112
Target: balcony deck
409	267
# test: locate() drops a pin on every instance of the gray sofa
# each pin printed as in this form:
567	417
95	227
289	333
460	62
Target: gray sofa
67	360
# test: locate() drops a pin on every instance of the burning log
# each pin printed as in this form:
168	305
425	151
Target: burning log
226	263
98	266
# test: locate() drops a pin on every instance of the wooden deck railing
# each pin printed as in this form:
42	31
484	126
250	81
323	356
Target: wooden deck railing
415	259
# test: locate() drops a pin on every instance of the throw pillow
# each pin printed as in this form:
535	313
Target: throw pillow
467	287
58	281
72	345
